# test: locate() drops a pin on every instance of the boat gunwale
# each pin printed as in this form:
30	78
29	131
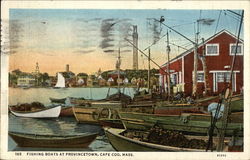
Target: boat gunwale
48	137
151	145
36	111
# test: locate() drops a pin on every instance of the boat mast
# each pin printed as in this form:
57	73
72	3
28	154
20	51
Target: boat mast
149	70
228	94
118	68
168	67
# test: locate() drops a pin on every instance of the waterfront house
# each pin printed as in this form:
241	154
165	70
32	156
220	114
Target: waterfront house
82	79
218	51
26	81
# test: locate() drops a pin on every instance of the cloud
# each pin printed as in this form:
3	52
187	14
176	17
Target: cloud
84	51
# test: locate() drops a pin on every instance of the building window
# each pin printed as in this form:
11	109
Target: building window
200	77
173	79
239	49
223	77
212	49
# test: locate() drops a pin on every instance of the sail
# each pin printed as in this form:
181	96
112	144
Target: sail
60	81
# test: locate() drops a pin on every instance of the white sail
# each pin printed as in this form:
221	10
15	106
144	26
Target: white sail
60	81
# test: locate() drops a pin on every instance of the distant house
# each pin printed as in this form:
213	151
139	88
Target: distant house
82	79
110	81
219	51
114	75
133	81
26	81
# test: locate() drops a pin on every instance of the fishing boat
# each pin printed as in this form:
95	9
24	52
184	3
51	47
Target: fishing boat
66	111
90	113
197	124
86	114
60	81
58	100
52	112
27	107
53	141
129	142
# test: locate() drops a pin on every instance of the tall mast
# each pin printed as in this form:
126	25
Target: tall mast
168	67
149	70
119	63
228	93
195	63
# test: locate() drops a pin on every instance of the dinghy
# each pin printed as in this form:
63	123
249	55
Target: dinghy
53	112
53	141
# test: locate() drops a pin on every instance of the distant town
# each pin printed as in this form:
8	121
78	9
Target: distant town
127	77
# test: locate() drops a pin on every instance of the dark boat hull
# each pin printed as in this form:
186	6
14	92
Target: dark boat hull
50	141
122	143
55	100
187	124
113	123
66	112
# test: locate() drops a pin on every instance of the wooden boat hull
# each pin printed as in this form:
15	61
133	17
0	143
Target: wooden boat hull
140	121
53	112
86	114
91	112
56	100
67	112
113	123
177	110
122	143
52	141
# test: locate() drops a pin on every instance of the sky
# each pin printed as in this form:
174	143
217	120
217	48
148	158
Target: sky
89	39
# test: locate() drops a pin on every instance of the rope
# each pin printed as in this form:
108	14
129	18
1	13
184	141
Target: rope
217	23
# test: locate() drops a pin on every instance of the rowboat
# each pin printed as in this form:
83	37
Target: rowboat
188	123
27	106
53	141
67	111
58	100
90	113
123	143
52	112
86	114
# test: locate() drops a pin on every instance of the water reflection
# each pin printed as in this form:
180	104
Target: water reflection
60	126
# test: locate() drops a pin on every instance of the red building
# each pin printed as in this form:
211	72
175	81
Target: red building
218	52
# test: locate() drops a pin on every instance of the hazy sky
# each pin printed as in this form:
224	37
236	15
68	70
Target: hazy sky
89	39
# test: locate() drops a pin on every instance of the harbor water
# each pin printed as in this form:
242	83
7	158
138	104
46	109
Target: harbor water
60	125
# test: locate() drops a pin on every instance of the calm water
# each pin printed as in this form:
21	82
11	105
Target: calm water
19	95
59	125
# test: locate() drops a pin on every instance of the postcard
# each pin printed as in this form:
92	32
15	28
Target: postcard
124	80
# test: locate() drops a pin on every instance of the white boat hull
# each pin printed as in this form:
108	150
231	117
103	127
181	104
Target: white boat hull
46	113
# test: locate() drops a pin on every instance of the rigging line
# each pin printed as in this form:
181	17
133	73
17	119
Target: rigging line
155	42
234	12
199	26
231	16
175	31
146	56
217	22
225	122
178	46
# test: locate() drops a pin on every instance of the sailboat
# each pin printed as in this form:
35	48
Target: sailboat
60	81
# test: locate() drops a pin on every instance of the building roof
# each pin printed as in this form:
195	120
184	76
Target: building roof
115	72
200	44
